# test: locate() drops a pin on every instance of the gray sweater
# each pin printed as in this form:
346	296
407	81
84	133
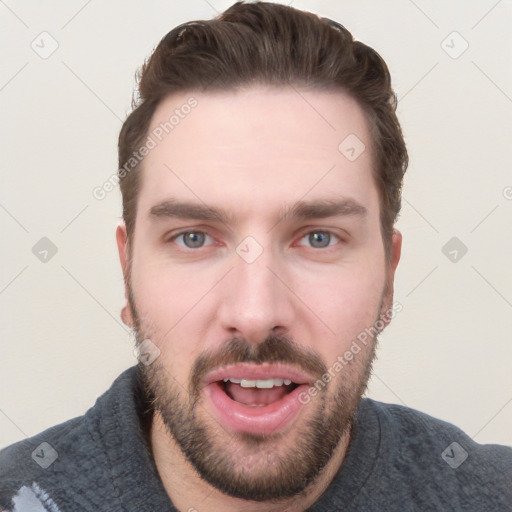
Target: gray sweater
399	459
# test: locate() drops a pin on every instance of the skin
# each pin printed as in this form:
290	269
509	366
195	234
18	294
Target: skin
253	152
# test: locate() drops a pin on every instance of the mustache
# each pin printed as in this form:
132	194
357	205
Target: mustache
274	349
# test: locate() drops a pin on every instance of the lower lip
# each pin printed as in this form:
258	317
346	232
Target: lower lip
269	419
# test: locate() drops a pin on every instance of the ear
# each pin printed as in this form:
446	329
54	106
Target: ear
122	247
396	251
391	265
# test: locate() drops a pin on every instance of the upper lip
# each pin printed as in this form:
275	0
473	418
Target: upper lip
259	372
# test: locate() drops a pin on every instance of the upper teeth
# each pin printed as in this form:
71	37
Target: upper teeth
260	383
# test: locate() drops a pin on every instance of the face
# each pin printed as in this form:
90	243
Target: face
257	260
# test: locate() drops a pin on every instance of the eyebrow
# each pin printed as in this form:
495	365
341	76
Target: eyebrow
301	210
171	208
320	209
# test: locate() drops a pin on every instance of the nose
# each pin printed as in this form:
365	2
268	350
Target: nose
256	301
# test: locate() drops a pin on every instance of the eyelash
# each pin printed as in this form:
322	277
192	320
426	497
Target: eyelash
323	231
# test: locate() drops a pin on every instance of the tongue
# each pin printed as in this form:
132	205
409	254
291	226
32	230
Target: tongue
255	396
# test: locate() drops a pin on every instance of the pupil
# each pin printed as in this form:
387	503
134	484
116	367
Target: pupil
321	237
194	239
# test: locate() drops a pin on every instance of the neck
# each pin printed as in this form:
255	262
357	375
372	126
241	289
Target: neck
190	493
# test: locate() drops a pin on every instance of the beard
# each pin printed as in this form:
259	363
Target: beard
249	466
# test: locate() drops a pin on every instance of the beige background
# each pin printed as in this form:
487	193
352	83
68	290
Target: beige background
449	351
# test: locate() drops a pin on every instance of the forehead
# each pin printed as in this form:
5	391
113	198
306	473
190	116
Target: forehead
258	145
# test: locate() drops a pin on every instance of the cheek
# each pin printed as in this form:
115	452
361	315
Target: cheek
167	304
166	292
345	302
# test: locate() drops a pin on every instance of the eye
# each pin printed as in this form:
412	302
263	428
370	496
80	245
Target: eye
318	239
321	239
191	239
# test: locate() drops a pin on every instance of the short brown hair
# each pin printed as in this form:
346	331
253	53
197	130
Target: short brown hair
272	44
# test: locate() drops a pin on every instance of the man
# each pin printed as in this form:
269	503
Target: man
261	174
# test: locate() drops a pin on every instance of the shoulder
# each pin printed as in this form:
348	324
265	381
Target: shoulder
32	460
419	431
69	454
434	456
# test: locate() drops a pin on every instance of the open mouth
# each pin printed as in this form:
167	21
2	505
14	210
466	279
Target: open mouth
252	399
257	393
